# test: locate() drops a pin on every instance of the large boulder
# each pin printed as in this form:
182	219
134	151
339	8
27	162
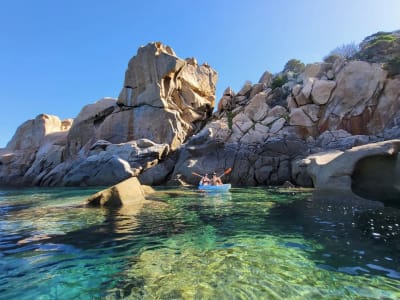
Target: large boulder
30	135
387	108
315	70
98	170
257	108
167	96
163	99
109	163
49	155
322	90
84	130
36	147
358	87
306	115
13	166
158	174
340	140
156	124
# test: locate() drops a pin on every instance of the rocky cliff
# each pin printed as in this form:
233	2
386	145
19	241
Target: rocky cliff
164	100
162	126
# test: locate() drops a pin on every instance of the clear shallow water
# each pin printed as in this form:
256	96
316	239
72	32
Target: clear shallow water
253	243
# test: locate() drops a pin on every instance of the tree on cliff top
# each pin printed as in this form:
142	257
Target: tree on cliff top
347	51
294	65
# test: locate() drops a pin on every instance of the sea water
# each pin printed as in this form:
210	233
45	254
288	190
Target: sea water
249	243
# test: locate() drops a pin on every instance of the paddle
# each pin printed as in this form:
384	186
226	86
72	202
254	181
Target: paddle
227	171
194	173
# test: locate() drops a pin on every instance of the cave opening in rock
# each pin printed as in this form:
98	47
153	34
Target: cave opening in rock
378	178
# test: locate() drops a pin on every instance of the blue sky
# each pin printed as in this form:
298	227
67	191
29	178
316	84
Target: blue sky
57	56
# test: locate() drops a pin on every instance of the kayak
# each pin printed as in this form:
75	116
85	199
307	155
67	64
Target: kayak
215	188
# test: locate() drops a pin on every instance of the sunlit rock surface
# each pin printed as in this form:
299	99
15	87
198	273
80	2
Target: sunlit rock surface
258	131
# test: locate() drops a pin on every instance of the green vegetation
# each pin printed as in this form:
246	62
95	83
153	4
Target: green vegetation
230	115
294	65
386	37
380	47
381	36
393	66
278	81
382	40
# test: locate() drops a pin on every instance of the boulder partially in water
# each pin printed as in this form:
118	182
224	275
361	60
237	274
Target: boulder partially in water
126	193
371	171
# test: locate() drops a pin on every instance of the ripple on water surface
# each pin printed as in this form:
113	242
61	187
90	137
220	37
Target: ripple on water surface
247	244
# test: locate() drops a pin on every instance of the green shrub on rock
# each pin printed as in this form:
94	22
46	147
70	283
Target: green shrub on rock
393	66
278	81
294	65
380	47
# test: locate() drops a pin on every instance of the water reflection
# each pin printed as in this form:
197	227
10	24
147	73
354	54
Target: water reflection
357	236
216	196
248	243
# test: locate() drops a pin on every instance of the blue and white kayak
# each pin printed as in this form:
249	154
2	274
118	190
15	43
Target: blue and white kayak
215	188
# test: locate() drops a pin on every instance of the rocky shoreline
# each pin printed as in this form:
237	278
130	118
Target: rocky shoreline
163	127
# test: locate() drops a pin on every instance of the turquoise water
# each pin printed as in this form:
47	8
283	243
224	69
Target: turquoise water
251	243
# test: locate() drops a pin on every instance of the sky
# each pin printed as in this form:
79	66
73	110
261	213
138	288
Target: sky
58	56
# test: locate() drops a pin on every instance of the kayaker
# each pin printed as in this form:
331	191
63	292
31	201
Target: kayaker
205	180
215	180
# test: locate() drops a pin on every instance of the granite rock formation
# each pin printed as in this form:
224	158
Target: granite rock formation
163	101
371	171
36	146
161	128
261	130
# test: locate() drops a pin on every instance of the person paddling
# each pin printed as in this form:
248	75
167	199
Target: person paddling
205	180
215	180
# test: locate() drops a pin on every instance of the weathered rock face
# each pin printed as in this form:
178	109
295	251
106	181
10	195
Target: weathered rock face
164	100
328	106
346	170
165	96
387	107
31	134
260	138
217	147
160	129
156	124
49	155
83	133
108	163
350	107
36	147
